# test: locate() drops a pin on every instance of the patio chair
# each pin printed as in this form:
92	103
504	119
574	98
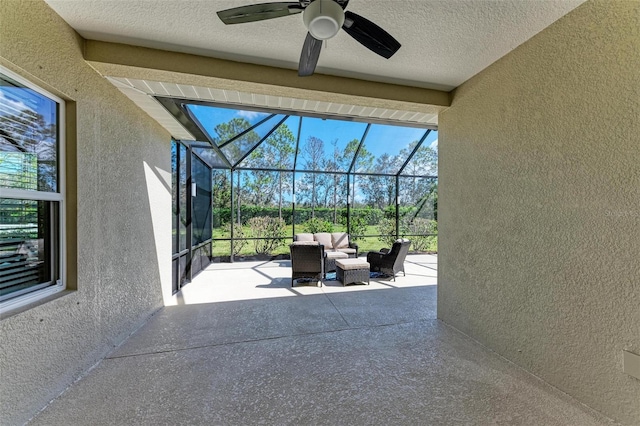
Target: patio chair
307	261
390	261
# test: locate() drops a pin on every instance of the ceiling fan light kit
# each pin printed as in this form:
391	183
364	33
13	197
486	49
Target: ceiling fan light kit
323	19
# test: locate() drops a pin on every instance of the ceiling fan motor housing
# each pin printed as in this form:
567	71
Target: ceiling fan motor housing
323	18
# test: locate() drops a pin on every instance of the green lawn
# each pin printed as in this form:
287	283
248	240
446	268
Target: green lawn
223	248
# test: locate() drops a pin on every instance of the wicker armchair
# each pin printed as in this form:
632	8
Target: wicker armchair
387	261
307	261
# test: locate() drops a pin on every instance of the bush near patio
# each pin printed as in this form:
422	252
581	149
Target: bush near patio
387	230
238	245
268	228
372	215
421	228
359	226
365	244
422	233
264	223
316	225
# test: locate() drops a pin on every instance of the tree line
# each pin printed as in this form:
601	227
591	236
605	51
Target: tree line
316	190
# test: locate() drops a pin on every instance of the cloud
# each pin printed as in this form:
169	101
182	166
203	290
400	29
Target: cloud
251	115
10	106
434	144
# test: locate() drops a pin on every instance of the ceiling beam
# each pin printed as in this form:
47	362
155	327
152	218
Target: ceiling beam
122	60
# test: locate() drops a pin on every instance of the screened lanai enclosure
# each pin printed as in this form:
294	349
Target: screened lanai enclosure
253	179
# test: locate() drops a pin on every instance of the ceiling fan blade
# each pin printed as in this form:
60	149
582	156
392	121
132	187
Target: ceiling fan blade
370	35
258	12
309	56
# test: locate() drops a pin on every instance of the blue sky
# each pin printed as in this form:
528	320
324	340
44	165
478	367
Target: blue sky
380	139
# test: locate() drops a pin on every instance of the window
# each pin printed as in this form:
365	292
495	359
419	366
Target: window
31	192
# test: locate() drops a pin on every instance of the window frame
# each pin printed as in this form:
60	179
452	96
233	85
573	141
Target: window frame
58	197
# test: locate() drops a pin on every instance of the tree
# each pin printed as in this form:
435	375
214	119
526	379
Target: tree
338	162
313	157
274	152
221	188
380	191
283	143
259	187
33	140
236	149
364	163
423	163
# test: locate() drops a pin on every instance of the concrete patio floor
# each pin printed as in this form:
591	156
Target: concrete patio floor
241	347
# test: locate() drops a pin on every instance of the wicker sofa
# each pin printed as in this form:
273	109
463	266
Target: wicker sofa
333	243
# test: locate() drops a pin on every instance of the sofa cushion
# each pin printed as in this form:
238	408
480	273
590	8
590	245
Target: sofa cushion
336	255
324	238
304	237
304	243
340	240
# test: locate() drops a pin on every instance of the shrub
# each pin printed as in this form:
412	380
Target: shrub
421	227
387	230
358	227
238	245
268	228
390	212
222	215
315	225
371	215
375	215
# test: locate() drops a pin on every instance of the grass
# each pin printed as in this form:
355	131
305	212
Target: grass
365	244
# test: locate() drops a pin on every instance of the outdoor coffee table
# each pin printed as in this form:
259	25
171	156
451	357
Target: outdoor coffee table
352	271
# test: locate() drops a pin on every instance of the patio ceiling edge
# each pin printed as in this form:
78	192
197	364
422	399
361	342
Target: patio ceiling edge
126	61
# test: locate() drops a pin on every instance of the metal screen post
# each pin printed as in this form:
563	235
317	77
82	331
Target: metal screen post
293	205
231	216
189	215
397	206
348	206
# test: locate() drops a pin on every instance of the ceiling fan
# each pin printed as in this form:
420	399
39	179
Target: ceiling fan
323	19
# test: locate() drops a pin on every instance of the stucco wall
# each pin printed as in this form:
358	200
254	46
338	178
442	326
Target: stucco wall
123	219
539	208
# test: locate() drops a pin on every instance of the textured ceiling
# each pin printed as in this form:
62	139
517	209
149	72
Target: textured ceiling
444	42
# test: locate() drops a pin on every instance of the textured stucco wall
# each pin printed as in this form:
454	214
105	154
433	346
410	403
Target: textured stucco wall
123	219
539	248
